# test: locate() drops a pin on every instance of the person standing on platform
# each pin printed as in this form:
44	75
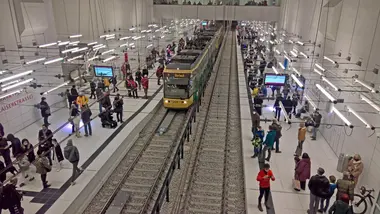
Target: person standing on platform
82	100
255	123
93	89
138	78
288	105
86	118
114	83
324	206
5	151
268	143
1	130
107	84
355	168
118	108
317	118
145	84
42	167
295	99
72	155
278	128
45	137
345	186
99	97
264	177
74	92
27	148
45	110
75	120
24	165
159	73
145	71
319	187
13	197
303	168
301	139
258	103
57	155
16	144
277	107
133	87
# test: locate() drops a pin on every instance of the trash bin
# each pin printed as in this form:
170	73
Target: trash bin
343	162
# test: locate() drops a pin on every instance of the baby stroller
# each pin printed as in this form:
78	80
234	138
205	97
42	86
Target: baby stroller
107	119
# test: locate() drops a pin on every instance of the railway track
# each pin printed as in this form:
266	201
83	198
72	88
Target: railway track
138	174
214	179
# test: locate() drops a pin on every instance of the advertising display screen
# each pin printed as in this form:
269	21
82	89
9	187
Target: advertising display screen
274	79
103	71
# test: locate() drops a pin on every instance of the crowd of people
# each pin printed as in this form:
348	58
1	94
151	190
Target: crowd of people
321	188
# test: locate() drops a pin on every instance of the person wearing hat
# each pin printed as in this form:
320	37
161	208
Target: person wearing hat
82	100
72	155
118	107
145	84
45	110
319	187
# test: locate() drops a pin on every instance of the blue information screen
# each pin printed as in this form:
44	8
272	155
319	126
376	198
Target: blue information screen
273	79
103	71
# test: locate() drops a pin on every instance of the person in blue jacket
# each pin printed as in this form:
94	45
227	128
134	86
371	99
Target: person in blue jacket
269	141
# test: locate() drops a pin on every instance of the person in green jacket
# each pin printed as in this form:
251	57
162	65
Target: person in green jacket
269	141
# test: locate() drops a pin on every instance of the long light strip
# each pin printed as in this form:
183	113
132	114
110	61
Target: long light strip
100	47
3	72
300	43
111	37
132	29
278	52
92	43
36	60
109	51
304	55
299	83
69	50
281	65
331	84
93	58
149	46
10	83
16	76
74	58
328	59
63	43
79	50
124	38
17	84
320	67
74	43
110	58
47	45
275	70
295	50
311	102
297	72
342	117
318	72
104	36
291	41
271	42
10	94
123	45
75	36
366	86
370	102
55	88
327	94
53	61
287	58
132	44
359	117
293	53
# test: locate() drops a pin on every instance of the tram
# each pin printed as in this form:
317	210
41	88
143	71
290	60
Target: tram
187	73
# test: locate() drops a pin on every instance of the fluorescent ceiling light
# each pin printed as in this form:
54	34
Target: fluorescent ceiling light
271	42
318	72
304	55
281	65
63	43
124	38
295	50
296	71
93	58
3	72
132	44
148	31
311	102
10	94
107	35
293	53
320	67
366	86
57	87
79	50
366	99
162	37
69	50
327	94
132	29
287	58
53	61
110	58
330	83
74	58
136	37
359	117
285	52
16	76
328	59
100	47
74	43
123	45
10	83
150	45
17	84
300	43
92	43
291	41
36	60
342	117
299	83
278	52
109	51
111	37
275	70
47	45
75	36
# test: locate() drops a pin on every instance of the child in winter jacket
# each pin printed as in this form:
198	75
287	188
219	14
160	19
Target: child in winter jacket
257	142
264	177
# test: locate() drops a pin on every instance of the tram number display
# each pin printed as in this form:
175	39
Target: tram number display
176	75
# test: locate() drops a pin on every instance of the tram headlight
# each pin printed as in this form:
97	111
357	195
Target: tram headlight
185	102
166	101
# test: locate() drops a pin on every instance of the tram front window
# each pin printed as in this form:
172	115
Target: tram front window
176	91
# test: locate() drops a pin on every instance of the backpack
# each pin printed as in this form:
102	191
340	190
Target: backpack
256	142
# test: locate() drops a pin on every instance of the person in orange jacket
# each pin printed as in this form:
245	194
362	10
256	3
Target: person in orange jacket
264	177
82	100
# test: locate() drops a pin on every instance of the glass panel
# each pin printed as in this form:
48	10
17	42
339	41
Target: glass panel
176	91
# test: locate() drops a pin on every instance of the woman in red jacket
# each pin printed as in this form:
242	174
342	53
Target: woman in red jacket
302	169
264	177
145	84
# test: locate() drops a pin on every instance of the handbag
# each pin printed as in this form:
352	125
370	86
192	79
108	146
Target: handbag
296	185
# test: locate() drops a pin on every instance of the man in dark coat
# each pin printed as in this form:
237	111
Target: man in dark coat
45	110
